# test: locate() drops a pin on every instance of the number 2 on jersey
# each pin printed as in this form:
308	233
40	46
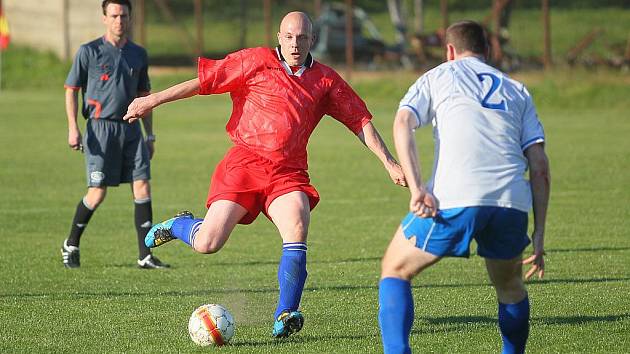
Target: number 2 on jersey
496	82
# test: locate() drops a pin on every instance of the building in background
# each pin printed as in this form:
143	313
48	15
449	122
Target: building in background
60	26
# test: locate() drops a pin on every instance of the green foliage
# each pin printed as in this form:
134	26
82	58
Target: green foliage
108	305
569	24
461	5
24	68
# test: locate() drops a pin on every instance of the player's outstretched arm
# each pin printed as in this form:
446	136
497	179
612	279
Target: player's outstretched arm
422	202
540	180
370	137
141	106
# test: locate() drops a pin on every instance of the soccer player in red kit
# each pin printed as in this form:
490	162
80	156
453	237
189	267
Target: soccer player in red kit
279	95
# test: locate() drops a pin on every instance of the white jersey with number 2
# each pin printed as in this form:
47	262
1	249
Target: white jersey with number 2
482	123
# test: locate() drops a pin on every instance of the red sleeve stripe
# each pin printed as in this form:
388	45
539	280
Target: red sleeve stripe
358	127
210	325
72	87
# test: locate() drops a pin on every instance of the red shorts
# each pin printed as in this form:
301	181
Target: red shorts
254	182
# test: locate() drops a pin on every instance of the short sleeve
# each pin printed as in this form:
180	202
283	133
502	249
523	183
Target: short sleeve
532	132
344	105
418	101
144	84
77	77
220	76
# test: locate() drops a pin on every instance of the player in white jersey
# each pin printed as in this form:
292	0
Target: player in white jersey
487	135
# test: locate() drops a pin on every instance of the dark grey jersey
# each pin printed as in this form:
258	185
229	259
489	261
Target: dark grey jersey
109	77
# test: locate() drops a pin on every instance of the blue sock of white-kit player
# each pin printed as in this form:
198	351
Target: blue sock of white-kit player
395	314
514	325
291	276
186	229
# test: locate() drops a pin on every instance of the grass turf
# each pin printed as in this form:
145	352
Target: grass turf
108	305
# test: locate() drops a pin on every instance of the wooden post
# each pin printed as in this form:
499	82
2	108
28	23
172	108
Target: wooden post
584	43
199	26
317	8
267	13
547	35
444	13
349	40
418	10
139	18
497	52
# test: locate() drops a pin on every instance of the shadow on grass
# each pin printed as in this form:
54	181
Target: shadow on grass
561	320
587	249
430	325
333	288
463	320
253	263
275	262
306	338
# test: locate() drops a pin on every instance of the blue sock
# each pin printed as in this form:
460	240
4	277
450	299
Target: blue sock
291	276
186	229
395	314
514	326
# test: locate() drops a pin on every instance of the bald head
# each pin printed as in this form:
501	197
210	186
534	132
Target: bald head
295	37
296	19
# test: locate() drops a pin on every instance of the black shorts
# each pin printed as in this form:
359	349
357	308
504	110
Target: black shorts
115	153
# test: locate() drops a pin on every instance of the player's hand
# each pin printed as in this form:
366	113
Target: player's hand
537	259
396	174
151	147
423	203
139	108
74	139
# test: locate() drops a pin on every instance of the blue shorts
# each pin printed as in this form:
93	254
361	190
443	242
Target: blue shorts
501	233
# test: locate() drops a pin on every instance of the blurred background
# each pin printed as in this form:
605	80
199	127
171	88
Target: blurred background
40	38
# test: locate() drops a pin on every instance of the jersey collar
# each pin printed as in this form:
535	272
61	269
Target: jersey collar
307	64
108	43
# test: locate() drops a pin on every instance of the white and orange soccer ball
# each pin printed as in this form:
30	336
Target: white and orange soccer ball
211	324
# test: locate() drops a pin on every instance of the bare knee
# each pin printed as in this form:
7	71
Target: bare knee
507	278
94	197
206	248
296	233
208	243
511	292
141	189
393	269
404	260
398	266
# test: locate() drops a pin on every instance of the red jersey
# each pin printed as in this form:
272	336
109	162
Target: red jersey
274	111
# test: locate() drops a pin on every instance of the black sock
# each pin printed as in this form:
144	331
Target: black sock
81	218
144	221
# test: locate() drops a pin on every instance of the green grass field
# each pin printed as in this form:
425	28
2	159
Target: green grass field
108	305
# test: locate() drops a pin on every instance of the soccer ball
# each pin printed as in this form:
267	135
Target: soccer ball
211	324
